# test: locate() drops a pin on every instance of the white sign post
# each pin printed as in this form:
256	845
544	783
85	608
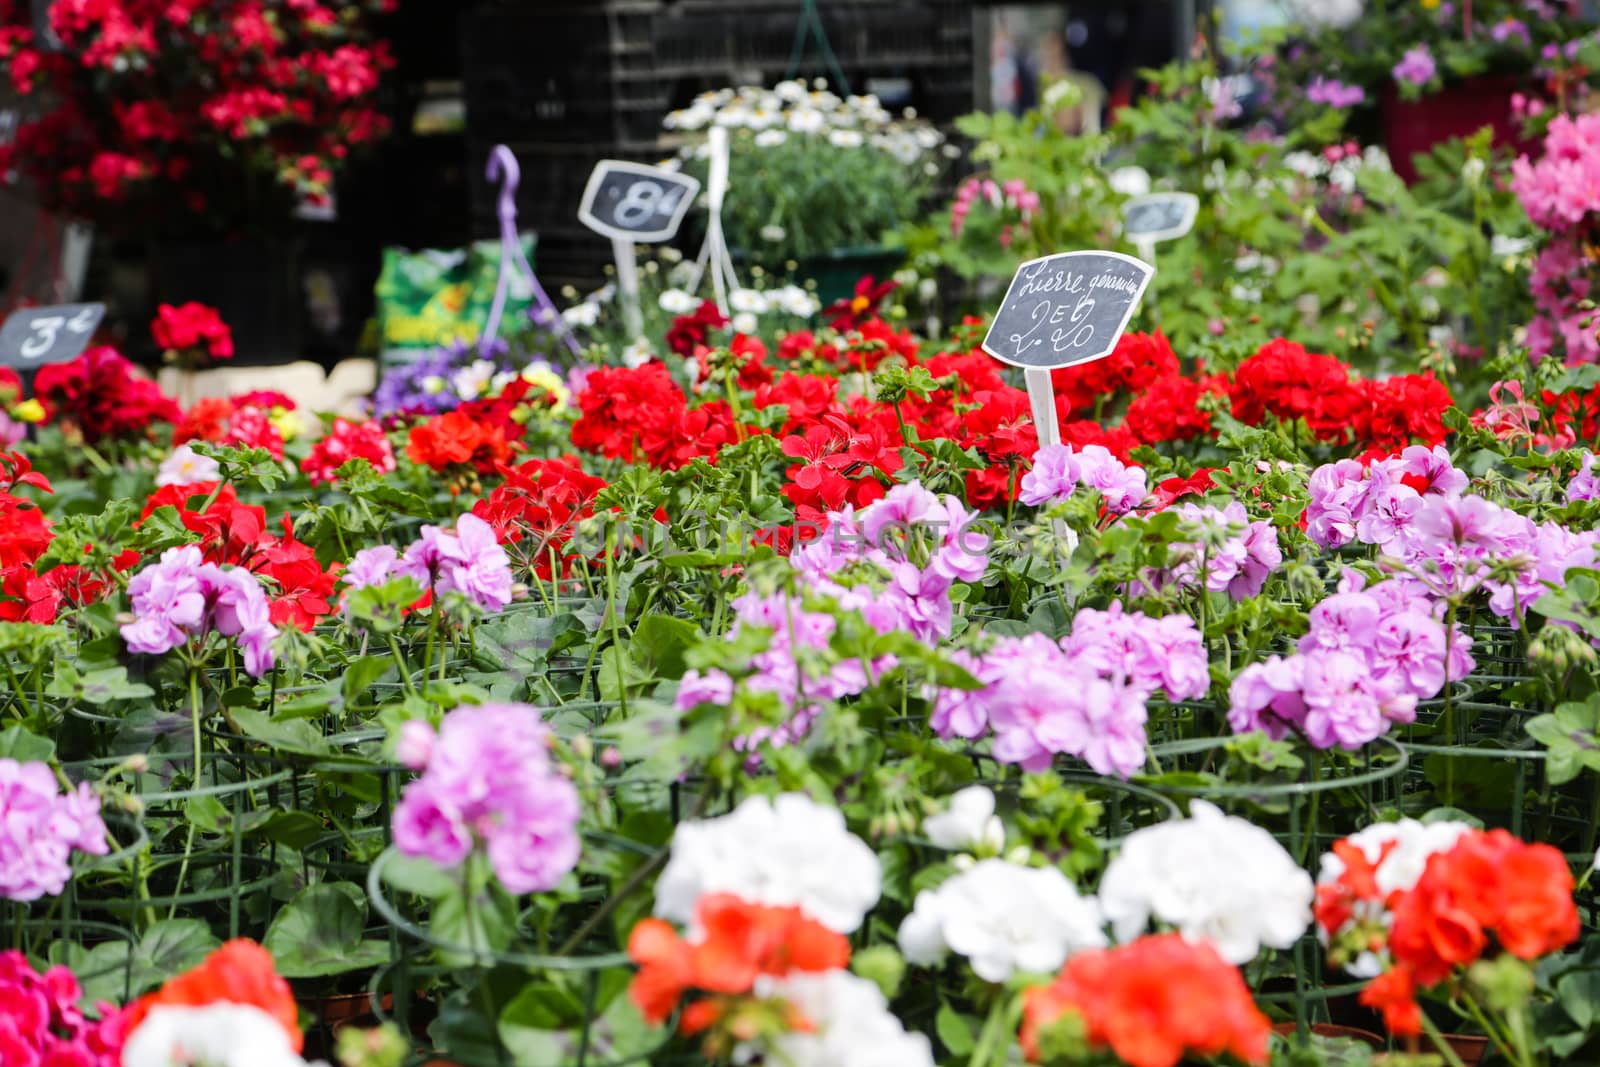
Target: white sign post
632	203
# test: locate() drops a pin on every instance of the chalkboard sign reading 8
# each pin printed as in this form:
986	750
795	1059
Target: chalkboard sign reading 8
635	202
35	337
1066	309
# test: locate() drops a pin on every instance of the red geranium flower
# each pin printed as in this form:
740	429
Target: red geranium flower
1152	1002
852	311
192	328
688	332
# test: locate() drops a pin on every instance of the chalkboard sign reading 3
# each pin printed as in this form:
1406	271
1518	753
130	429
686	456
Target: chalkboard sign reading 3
635	202
1066	309
34	337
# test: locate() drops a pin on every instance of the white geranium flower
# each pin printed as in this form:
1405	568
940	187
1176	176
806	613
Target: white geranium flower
1412	843
637	354
1004	918
186	467
1130	181
784	851
795	300
770	138
745	322
791	92
433	383
584	314
807	120
969	824
751	300
470	381
677	302
853	1024
217	1035
1214	877
846	139
773	232
1503	247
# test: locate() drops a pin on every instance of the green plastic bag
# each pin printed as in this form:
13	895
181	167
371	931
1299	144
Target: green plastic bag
431	298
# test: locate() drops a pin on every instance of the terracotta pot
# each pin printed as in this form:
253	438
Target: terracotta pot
1471	1050
1412	127
340	1010
1366	1037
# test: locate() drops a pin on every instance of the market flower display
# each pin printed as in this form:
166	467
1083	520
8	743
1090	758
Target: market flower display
745	683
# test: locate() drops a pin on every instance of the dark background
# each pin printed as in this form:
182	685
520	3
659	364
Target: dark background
564	83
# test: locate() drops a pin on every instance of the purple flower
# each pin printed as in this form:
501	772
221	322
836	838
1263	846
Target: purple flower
427	825
167	601
469	561
1338	491
370	566
489	782
1584	484
1387	515
1055	474
905	506
477	567
1416	67
1508	28
1122	487
963	712
1340	710
1434	467
1235	554
415	746
1334	93
39	829
712	687
180	598
1266	697
1146	653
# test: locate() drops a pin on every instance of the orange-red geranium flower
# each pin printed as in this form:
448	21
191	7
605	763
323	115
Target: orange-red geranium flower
1394	993
1152	1002
741	941
454	439
240	972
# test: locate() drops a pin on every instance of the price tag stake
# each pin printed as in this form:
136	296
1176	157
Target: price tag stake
1060	311
634	204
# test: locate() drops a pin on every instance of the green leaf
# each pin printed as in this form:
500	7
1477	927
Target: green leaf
1579	994
24	747
360	674
660	641
293	829
319	933
294	736
954	1030
167	949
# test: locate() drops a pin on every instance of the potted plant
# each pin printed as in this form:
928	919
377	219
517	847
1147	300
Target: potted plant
1432	71
815	180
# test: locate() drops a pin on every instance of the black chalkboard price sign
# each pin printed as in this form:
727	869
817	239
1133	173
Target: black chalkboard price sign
36	337
1067	308
1159	216
635	202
